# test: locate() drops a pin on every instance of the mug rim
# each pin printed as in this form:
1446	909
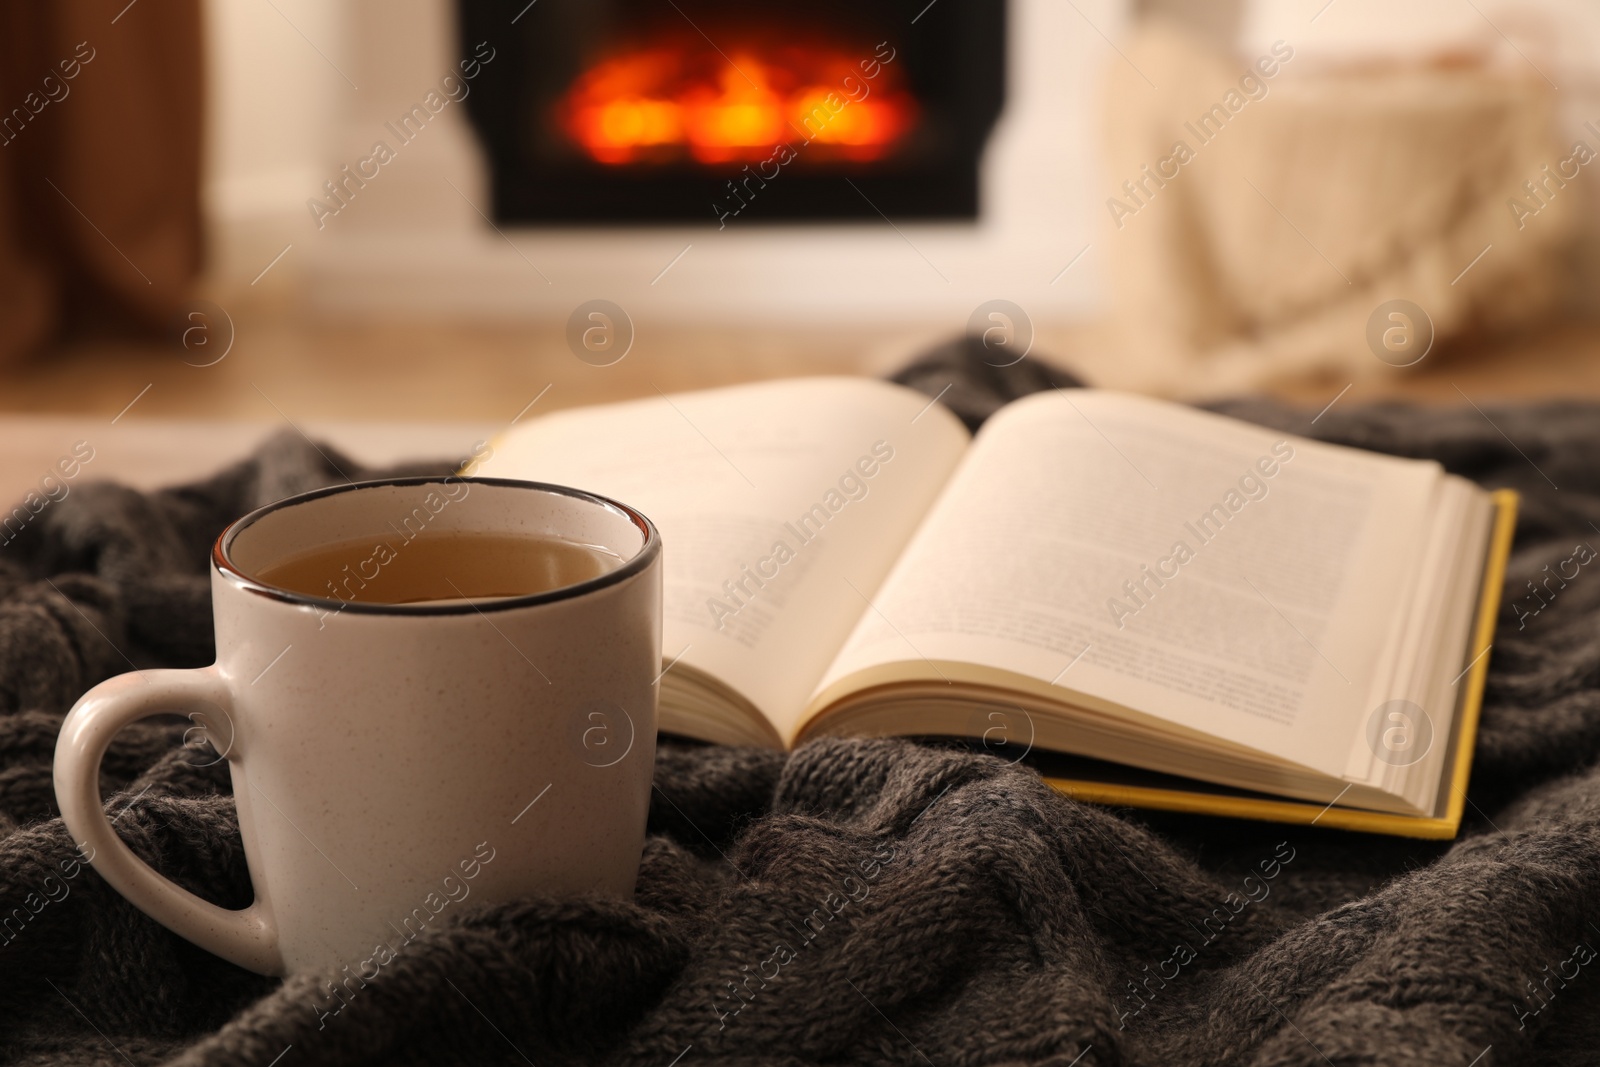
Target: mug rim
222	563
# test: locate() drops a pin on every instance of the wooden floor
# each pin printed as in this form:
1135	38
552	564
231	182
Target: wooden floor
286	366
1557	361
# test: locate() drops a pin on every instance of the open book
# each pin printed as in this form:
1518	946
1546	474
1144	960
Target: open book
1164	607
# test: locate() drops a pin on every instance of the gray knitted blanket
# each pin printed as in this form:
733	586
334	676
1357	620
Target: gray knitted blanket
856	902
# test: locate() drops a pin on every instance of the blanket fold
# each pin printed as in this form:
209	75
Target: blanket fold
856	901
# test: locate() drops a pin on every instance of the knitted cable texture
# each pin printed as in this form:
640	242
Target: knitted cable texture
857	902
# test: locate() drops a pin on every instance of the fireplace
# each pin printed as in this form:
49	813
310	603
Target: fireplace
733	114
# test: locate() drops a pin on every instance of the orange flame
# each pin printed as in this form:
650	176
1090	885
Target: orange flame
655	104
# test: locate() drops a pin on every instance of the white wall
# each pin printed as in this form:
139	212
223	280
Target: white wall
1559	36
273	105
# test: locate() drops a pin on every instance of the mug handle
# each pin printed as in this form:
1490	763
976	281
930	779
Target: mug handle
248	937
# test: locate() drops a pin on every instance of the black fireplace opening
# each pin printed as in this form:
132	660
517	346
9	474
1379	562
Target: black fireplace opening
734	114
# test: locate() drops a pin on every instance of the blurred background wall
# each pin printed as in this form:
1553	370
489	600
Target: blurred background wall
301	87
1382	158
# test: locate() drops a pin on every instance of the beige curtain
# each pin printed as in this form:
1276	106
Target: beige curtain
100	117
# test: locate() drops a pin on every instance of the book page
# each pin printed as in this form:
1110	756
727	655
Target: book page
781	507
1221	577
1417	687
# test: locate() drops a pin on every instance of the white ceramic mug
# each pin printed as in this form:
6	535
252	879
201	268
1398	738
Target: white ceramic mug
389	761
